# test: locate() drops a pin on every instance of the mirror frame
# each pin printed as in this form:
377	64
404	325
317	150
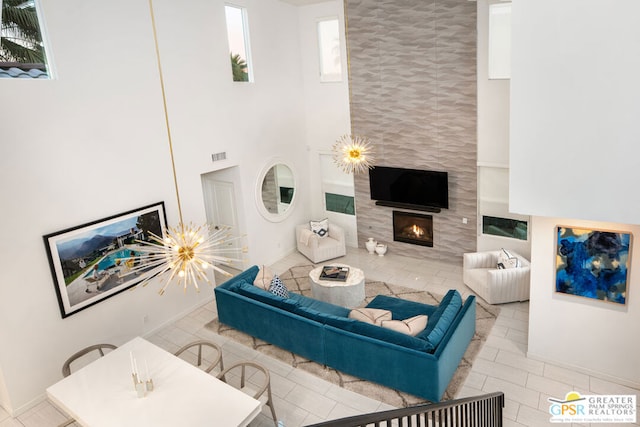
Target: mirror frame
258	191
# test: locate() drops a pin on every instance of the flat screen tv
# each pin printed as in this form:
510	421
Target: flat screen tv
412	187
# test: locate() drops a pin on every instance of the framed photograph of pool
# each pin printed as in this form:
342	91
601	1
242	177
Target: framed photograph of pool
593	263
89	262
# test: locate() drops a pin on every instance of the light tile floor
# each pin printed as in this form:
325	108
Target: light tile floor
301	398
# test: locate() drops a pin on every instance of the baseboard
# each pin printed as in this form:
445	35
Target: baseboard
28	406
600	375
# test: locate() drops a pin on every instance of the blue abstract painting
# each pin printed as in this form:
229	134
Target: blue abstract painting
593	263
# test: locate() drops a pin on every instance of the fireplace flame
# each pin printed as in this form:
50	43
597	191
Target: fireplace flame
413	228
417	231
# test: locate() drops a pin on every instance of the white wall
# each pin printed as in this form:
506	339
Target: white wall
79	148
587	335
493	145
574	159
93	143
493	101
574	109
327	112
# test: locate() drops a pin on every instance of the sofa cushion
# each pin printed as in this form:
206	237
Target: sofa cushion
442	318
401	308
278	288
319	306
383	334
263	279
250	291
319	316
434	331
362	328
308	307
507	260
321	228
411	326
375	316
249	275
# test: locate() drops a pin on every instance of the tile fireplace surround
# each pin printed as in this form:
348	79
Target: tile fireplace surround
425	120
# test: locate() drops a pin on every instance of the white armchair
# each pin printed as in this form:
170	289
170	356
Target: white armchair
496	286
319	249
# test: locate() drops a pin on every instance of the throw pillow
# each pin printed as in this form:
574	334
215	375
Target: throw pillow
321	228
411	326
278	288
263	278
375	316
507	260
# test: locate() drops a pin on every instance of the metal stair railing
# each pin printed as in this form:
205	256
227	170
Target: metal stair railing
477	411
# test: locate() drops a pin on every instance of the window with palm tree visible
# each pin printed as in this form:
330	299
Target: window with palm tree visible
237	34
21	45
239	68
329	50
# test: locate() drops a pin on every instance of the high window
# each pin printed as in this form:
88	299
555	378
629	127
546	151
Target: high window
238	36
500	41
329	50
22	52
505	227
340	203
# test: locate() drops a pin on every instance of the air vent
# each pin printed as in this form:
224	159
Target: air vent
219	156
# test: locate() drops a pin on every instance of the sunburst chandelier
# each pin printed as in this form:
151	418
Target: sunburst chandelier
186	251
184	255
353	154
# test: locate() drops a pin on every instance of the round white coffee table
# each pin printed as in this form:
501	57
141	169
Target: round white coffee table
349	293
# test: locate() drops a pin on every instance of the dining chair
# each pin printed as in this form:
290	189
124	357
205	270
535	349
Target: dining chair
263	386
66	367
100	348
216	359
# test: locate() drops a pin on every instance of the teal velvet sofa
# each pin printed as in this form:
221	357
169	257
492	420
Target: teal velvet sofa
422	365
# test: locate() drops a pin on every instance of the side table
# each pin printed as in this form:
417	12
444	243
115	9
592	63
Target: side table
349	293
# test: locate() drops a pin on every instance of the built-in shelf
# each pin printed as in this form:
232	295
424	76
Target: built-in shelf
408	206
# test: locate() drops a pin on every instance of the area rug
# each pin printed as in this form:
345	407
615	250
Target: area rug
297	280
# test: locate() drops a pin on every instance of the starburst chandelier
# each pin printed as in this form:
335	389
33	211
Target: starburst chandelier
184	255
186	251
353	154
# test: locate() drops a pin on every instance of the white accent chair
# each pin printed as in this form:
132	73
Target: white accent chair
496	286
317	248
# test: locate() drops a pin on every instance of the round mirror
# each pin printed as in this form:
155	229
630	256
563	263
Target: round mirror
275	191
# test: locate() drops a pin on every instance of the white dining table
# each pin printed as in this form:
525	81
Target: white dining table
103	394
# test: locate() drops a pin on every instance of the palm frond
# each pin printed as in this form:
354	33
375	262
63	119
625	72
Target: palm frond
15	52
239	68
23	21
20	37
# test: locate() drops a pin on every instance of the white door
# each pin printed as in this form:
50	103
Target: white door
221	210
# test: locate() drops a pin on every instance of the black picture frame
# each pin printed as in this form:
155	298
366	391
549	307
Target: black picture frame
88	261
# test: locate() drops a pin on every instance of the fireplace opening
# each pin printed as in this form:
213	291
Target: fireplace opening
413	228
